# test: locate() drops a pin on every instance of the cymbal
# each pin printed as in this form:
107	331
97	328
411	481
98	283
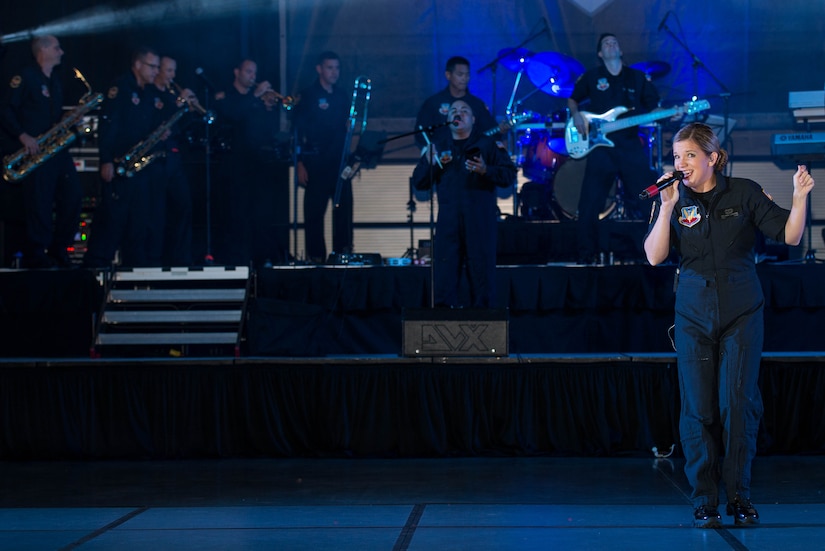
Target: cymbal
514	58
656	69
554	73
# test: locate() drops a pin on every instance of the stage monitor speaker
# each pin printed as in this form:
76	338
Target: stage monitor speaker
455	332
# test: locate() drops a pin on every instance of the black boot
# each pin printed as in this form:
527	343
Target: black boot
707	516
743	512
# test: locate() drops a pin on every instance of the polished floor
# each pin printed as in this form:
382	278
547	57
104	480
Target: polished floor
395	504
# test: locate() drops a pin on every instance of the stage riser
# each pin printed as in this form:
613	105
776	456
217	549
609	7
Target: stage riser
321	311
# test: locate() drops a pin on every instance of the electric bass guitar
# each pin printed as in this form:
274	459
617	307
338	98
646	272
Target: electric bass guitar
600	125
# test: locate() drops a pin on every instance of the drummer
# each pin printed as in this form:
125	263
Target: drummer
435	108
611	84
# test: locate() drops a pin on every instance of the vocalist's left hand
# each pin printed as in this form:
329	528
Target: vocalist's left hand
803	182
476	164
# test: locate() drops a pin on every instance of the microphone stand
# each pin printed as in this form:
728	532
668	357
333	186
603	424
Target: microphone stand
697	64
493	65
412	251
209	119
296	150
428	131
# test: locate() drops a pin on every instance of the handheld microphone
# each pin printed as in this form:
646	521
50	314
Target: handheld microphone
654	190
662	24
199	71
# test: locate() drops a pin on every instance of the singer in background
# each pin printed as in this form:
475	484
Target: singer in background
467	166
247	171
31	105
711	221
435	109
611	84
320	123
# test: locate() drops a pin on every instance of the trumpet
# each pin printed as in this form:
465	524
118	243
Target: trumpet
19	164
188	101
287	102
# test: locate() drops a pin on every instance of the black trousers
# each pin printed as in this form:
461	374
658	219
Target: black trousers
320	190
122	222
719	334
52	197
629	161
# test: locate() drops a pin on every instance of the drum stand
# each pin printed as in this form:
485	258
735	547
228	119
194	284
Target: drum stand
619	213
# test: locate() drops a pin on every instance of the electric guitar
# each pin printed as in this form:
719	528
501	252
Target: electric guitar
512	120
600	125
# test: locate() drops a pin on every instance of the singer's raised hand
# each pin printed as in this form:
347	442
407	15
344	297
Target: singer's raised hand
803	182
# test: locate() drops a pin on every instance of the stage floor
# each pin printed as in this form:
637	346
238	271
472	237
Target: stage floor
638	503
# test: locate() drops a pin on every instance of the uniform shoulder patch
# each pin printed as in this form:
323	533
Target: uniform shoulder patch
113	92
16	81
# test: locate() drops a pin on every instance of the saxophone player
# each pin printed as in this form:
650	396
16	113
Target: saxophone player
52	194
121	221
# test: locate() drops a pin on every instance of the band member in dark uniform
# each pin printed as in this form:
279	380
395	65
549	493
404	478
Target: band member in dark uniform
611	84
250	111
467	168
320	120
171	195
434	110
32	104
129	115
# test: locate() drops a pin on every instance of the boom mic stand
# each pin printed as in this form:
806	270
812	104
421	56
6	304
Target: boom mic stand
493	65
412	251
428	131
697	64
296	150
209	120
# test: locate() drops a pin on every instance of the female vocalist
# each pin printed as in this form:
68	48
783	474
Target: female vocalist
712	221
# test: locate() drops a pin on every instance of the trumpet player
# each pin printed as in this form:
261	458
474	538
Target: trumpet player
249	176
320	121
170	193
129	113
52	194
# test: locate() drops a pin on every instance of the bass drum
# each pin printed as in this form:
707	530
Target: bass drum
567	188
540	155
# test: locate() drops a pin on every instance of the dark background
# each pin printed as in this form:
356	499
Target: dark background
756	50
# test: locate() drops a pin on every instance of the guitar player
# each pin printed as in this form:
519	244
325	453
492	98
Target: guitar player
611	84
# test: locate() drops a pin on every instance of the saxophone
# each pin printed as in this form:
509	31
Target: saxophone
139	156
20	164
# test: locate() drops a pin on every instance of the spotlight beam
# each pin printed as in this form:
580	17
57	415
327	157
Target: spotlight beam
104	19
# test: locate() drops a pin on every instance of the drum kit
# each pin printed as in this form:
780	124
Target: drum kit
554	179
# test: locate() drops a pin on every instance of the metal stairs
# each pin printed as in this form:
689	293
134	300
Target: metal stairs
172	311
